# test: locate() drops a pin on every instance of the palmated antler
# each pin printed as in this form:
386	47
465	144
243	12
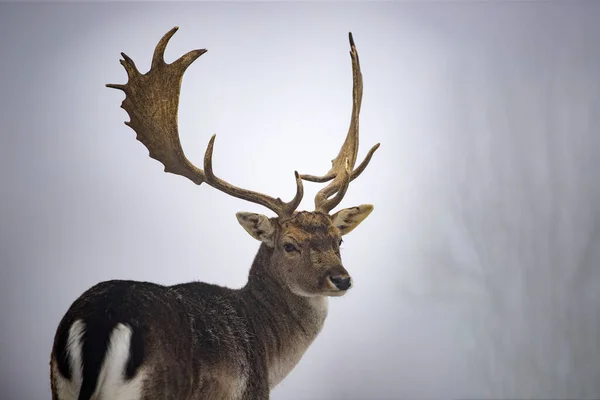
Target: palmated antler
152	101
342	170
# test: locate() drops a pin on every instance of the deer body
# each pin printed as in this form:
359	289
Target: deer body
130	340
196	340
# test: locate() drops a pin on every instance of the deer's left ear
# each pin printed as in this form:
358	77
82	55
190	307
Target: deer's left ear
258	226
349	218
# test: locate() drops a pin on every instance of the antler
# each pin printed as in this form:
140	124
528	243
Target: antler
152	101
341	170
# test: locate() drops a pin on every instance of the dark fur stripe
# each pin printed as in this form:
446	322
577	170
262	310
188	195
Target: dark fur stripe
136	353
62	358
95	345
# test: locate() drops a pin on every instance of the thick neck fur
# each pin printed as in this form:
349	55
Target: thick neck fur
286	323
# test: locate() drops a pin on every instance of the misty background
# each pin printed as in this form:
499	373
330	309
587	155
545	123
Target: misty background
477	275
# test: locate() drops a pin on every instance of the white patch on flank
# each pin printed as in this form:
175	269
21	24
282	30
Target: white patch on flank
65	388
111	381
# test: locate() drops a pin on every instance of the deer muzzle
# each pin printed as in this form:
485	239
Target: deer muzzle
339	279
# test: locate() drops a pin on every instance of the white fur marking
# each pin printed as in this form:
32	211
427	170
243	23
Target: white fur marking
111	382
69	389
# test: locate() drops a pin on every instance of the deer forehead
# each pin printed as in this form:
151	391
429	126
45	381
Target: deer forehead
311	228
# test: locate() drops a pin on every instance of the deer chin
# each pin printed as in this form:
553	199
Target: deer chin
336	293
326	291
298	291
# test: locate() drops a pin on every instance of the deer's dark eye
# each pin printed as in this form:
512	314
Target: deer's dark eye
289	247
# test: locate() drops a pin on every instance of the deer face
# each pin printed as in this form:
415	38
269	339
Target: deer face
306	248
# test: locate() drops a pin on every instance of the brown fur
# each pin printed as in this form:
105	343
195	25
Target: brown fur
204	341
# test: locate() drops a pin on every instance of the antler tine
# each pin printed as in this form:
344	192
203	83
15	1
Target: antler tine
275	204
152	102
355	174
346	158
158	58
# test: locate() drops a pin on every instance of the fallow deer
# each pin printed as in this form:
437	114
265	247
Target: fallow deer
135	340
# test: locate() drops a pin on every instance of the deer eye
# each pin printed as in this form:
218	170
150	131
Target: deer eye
289	247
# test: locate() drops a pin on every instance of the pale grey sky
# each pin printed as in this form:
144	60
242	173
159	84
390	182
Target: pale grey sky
476	275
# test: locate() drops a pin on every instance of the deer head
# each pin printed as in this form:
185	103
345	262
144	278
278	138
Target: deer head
303	246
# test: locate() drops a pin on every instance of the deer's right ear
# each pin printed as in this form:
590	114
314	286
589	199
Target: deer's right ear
258	226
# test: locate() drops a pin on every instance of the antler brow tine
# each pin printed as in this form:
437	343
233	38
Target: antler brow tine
152	102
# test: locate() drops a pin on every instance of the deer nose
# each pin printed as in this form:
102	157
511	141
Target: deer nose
342	282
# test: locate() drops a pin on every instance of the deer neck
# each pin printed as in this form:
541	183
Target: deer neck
286	323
